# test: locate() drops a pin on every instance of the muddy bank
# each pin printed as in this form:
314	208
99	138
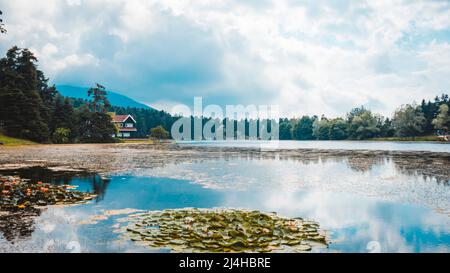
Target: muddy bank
114	158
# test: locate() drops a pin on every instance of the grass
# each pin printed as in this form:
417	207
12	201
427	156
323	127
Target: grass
418	138
138	140
10	141
145	140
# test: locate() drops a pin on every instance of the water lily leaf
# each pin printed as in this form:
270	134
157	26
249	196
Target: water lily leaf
221	230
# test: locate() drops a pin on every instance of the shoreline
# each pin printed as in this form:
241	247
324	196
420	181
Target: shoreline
435	140
128	157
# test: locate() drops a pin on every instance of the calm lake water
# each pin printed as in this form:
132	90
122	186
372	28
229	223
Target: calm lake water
331	144
377	207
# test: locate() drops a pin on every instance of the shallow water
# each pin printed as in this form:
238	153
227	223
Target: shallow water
379	206
331	144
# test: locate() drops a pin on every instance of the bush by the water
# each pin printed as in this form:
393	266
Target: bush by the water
159	133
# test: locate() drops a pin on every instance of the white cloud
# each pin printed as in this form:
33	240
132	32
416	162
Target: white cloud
308	57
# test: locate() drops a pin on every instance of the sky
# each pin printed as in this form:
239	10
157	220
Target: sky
307	57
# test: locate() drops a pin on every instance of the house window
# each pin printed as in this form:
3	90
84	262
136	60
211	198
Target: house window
126	134
129	125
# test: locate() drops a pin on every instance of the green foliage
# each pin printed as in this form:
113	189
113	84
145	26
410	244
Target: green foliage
10	141
99	100
23	113
386	128
61	135
146	119
430	111
285	129
303	129
338	129
64	116
95	127
31	109
321	129
159	133
408	121
442	120
363	124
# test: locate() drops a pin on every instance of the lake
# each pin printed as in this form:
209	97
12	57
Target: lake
330	144
379	204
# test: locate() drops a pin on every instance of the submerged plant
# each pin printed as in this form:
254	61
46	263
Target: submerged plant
221	230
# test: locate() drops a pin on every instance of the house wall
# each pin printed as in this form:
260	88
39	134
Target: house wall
122	135
128	123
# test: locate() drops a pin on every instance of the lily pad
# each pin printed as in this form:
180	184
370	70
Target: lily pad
221	230
18	194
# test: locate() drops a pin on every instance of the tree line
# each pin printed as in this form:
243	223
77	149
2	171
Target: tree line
410	120
146	119
32	109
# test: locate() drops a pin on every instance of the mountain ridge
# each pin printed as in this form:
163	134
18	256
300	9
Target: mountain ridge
115	98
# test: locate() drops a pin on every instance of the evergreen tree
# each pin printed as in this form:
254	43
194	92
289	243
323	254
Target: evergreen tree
22	111
285	129
99	99
64	117
386	129
303	129
95	127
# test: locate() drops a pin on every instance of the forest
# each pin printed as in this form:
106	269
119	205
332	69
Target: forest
429	118
32	109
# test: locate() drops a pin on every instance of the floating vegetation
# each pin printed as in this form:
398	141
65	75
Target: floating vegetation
221	230
20	194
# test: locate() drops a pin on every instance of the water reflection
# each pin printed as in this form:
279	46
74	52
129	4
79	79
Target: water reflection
19	225
399	179
400	202
432	166
328	144
87	181
353	221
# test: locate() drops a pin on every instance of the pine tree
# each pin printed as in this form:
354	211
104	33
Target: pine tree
99	99
64	117
22	108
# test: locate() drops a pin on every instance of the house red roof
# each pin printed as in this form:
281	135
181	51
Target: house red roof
122	118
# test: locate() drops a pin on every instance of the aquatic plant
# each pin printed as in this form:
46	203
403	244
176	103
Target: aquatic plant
19	194
221	230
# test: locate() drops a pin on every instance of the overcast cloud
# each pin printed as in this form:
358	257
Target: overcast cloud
309	57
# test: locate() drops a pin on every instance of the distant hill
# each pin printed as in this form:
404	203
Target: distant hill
115	99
